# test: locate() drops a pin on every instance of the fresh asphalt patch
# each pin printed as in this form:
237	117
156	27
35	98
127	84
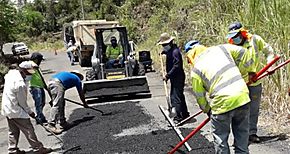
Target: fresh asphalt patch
127	130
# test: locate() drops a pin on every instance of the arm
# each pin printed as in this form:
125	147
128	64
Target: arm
108	51
21	97
177	63
81	93
265	48
82	97
199	93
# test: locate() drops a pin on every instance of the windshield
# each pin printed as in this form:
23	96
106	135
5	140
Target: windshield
19	45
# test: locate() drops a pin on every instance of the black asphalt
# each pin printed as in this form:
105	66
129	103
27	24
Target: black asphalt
94	133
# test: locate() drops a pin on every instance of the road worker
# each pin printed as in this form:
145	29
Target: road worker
59	83
176	75
215	71
16	110
239	36
114	53
37	87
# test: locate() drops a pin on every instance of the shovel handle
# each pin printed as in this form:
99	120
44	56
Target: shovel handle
189	136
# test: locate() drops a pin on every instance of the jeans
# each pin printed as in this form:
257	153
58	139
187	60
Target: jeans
238	120
110	63
38	96
255	96
57	113
177	98
70	56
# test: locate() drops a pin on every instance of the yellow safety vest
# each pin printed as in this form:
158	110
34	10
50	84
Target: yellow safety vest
215	72
260	48
113	53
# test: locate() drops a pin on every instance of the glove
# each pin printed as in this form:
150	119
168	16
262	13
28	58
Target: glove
32	115
165	78
251	76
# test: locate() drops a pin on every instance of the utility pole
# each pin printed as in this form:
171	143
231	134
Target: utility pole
83	12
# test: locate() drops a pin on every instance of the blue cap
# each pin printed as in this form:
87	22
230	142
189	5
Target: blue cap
189	45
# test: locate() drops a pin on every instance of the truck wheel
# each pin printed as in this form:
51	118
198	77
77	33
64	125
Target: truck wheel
142	70
91	75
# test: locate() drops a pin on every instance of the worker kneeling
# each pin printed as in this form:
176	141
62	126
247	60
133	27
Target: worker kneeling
215	71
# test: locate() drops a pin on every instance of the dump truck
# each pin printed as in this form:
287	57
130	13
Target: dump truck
126	77
82	34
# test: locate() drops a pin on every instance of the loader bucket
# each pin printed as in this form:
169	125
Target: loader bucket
124	86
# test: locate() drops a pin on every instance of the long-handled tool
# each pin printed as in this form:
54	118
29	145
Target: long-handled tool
189	136
176	130
188	118
169	108
273	69
103	114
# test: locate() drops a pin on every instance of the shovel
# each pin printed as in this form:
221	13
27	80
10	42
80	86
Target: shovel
169	108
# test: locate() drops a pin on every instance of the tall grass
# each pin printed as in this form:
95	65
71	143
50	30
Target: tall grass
208	20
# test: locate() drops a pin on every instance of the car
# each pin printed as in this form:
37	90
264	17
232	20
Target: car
19	49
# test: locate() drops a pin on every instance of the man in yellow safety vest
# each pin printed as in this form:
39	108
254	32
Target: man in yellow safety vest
239	36
215	71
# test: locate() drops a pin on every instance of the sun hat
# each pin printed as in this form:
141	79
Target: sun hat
165	38
76	72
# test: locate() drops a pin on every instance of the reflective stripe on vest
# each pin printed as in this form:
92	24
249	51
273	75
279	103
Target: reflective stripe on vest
255	45
198	95
209	82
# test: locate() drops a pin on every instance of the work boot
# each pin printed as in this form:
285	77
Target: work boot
17	152
52	129
65	126
254	139
43	150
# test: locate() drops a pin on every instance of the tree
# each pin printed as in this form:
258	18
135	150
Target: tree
8	23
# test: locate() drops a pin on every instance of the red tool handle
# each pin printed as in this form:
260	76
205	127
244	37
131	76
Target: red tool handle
189	136
263	70
274	69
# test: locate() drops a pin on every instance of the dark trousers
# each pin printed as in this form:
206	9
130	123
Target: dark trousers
178	99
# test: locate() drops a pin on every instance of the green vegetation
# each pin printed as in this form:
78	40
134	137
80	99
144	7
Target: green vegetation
205	20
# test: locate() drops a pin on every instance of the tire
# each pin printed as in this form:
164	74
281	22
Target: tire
91	75
141	70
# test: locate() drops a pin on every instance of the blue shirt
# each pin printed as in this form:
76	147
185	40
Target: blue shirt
69	80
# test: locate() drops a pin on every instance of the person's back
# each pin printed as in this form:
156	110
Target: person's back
68	80
222	79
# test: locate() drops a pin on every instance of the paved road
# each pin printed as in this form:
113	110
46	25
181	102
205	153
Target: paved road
135	126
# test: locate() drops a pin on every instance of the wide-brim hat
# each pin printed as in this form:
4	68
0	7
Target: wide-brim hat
76	72
165	38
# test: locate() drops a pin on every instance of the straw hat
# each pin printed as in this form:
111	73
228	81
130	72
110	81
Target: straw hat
165	38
